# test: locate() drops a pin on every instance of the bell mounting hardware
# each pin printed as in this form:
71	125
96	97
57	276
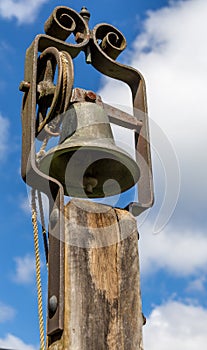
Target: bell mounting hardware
86	156
50	52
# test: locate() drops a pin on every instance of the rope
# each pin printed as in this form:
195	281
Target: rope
41	152
51	124
38	270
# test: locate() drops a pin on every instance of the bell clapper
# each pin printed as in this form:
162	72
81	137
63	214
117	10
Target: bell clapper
89	183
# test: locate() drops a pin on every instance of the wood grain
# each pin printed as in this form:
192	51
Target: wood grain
102	281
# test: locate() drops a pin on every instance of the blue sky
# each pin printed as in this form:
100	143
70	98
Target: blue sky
167	43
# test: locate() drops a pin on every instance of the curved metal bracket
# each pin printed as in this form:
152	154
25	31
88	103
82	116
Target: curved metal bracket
30	172
102	45
103	61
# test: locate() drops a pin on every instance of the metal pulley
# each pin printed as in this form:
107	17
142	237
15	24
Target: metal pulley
86	161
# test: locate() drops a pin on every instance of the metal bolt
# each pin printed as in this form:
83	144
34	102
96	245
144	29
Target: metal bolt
53	304
144	319
90	96
24	86
54	216
79	37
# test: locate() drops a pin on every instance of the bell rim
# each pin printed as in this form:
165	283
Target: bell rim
106	147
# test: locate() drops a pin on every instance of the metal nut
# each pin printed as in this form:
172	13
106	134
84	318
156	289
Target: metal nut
90	96
24	86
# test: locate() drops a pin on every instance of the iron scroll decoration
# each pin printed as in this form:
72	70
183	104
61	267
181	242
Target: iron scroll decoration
49	55
102	45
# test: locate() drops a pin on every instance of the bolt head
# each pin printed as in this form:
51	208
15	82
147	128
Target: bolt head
54	217
52	305
90	96
24	86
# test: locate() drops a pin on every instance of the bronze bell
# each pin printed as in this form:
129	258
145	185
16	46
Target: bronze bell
86	161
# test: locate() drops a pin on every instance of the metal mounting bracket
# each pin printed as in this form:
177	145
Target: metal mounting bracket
102	45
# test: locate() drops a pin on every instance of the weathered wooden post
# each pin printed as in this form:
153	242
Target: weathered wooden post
94	297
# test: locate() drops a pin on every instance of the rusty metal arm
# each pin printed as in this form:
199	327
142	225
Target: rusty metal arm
30	172
103	59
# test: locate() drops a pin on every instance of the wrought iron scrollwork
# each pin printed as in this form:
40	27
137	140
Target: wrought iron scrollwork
54	51
64	21
111	41
102	46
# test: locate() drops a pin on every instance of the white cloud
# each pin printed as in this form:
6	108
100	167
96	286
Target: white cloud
197	285
25	269
22	10
10	341
182	252
4	128
171	54
175	325
6	313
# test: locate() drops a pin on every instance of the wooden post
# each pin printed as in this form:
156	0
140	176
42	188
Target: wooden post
102	282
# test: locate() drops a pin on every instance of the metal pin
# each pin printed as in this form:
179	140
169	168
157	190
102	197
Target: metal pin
88	55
